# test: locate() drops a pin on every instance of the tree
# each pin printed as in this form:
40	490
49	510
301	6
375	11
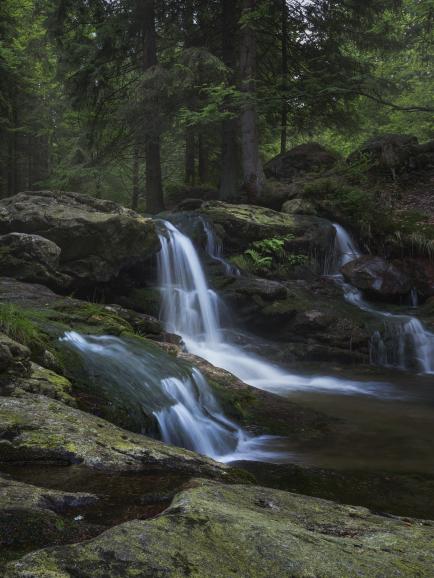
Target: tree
253	174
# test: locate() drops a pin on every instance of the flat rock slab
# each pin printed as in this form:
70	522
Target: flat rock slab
213	530
39	429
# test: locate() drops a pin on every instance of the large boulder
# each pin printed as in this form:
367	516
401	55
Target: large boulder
306	158
241	225
92	240
395	152
212	530
378	277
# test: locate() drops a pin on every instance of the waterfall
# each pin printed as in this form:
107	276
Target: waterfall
192	310
214	248
146	384
405	343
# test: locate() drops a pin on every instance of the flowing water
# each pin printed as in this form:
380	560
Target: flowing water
403	342
192	310
150	383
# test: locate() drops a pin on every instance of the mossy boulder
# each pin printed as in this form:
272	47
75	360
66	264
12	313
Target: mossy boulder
305	158
241	225
212	530
97	239
40	381
39	429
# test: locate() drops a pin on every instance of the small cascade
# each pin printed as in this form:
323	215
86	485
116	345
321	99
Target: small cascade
414	298
148	384
192	310
214	248
404	342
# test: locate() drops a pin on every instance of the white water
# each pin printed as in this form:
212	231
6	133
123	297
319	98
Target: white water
214	248
181	401
405	342
191	310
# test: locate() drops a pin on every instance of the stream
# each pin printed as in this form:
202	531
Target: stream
181	402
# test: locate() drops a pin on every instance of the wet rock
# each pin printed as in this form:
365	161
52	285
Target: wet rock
38	429
377	277
97	239
30	516
216	530
305	158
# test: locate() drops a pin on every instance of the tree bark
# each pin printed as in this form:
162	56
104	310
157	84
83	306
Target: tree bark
135	190
253	174
230	143
190	172
203	160
154	186
284	111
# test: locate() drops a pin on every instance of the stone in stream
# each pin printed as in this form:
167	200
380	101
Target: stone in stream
214	531
378	277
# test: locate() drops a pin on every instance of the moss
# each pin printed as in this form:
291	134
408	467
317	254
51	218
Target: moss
18	324
220	531
145	300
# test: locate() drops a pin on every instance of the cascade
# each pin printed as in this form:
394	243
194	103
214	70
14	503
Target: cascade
405	342
192	310
148	384
214	249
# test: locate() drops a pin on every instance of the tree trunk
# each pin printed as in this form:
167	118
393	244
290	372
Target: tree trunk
230	144
253	174
135	191
190	173
284	111
203	160
154	186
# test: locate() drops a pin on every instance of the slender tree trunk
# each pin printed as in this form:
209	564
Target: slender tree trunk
284	112
190	148
253	174
190	136
203	160
13	153
230	144
154	186
135	190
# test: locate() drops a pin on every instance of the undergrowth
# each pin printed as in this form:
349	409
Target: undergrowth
269	256
17	325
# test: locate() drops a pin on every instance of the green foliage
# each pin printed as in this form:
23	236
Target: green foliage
269	256
17	324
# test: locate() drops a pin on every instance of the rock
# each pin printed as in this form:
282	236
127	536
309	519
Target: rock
305	158
387	151
14	357
241	225
30	516
310	321
97	239
41	381
212	530
299	206
38	429
378	277
30	258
